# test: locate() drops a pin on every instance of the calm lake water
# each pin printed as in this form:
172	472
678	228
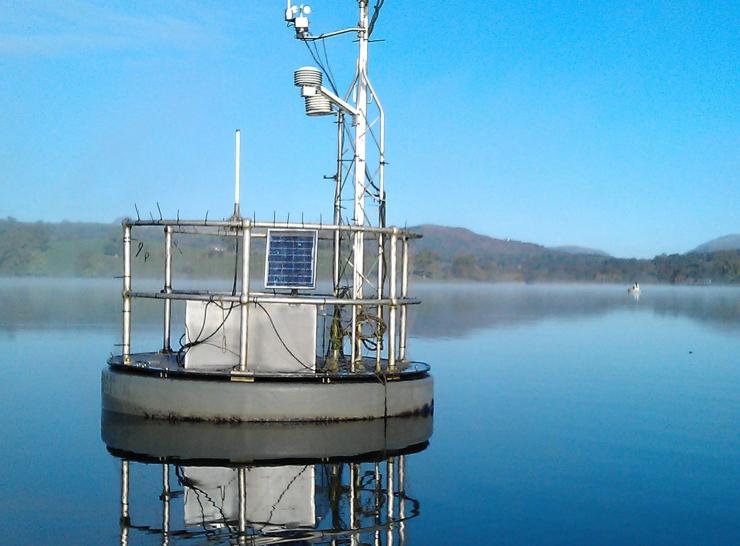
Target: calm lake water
563	415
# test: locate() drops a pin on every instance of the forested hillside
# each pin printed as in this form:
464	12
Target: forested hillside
456	253
444	253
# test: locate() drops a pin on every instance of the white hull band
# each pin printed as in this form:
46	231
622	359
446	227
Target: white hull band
200	399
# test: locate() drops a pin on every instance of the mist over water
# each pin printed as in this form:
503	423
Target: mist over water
448	310
458	310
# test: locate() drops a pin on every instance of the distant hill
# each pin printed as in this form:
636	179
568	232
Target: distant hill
444	253
573	249
452	241
728	242
458	253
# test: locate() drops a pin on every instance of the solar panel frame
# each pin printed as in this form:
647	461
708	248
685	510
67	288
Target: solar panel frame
285	280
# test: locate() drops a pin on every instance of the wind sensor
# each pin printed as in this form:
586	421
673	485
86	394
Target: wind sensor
298	17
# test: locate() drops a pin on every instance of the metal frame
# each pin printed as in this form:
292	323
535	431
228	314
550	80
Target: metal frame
349	275
393	305
386	493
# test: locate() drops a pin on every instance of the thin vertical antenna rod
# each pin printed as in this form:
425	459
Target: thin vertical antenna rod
237	171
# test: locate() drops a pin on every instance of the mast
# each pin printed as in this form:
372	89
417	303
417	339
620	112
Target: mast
358	253
356	103
360	151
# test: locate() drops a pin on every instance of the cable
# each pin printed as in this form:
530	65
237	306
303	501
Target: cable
184	348
281	338
316	59
280	497
374	18
329	73
184	481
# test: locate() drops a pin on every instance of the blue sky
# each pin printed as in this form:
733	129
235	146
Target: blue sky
614	125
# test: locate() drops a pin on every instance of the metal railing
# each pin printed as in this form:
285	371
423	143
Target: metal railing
394	305
372	494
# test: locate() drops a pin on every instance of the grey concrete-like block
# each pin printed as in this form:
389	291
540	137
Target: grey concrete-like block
196	399
282	337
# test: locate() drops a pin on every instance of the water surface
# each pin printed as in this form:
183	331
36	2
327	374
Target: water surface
563	414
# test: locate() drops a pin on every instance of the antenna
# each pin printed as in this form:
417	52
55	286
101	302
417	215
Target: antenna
237	169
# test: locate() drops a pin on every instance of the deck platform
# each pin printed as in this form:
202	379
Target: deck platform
167	365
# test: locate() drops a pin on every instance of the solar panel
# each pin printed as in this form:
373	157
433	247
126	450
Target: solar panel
291	259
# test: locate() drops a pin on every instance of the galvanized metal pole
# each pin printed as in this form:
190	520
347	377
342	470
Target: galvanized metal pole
392	312
404	294
381	219
166	347
125	520
390	504
244	318
269	224
358	257
255	297
336	489
356	353
242	487
354	503
378	492
337	335
338	200
165	504
402	499
126	294
379	314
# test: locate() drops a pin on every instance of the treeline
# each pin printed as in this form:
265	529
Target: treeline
705	268
72	249
22	247
93	250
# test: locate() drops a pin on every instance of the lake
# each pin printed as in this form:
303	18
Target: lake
563	415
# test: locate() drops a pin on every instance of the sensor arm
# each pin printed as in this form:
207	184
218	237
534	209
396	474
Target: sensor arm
341	103
309	38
